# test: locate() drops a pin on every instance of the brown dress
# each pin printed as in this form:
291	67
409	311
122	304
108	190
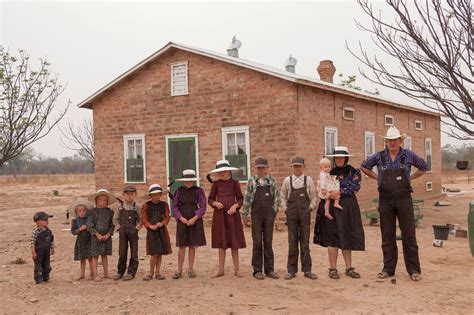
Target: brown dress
227	230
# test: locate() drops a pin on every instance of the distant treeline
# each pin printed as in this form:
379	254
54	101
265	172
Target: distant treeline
31	163
451	154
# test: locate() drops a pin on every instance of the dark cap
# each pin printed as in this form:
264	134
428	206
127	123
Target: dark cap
41	216
261	162
297	160
129	188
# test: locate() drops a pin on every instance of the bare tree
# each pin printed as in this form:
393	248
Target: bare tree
432	40
80	139
27	100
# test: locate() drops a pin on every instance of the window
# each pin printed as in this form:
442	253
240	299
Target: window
369	143
134	156
330	140
389	120
179	78
418	125
407	143
236	149
429	186
348	113
428	153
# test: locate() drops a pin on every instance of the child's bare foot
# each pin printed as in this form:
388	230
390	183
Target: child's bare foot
79	278
219	274
106	276
97	278
328	215
337	205
238	274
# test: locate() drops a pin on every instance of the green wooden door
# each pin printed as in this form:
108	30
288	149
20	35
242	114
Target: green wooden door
181	156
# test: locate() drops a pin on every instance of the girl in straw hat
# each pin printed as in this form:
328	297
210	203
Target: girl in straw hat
155	216
189	205
227	232
82	247
100	225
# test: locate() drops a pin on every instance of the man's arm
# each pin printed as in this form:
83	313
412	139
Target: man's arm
369	173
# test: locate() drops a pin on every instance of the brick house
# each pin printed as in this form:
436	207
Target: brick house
185	107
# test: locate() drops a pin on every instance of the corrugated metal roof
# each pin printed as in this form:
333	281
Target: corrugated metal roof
280	73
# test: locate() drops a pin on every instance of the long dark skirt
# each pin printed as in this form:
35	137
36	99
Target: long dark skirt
345	231
158	242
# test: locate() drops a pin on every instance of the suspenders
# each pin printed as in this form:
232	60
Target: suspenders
291	182
384	161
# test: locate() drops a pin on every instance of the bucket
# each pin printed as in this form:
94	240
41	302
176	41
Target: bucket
441	231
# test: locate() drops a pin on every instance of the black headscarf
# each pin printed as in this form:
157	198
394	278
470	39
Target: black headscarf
343	170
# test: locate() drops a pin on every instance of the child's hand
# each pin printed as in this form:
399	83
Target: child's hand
184	220
247	222
33	254
106	236
192	221
159	225
98	236
218	205
83	227
52	251
233	209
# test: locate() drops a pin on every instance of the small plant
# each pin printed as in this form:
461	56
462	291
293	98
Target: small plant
55	193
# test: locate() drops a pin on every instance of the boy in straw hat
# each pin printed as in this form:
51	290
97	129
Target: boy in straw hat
155	217
100	225
42	246
128	222
262	196
394	185
227	232
82	247
189	205
298	199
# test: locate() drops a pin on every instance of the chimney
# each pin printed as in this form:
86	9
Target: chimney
290	64
234	46
326	70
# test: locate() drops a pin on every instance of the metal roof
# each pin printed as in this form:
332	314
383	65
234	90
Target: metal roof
280	73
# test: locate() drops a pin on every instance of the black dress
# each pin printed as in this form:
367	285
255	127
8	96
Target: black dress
157	241
82	247
345	231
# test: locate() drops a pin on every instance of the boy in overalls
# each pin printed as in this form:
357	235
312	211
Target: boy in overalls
298	199
394	186
42	246
128	222
262	196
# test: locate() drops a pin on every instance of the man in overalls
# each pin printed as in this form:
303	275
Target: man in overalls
298	199
262	197
394	186
127	220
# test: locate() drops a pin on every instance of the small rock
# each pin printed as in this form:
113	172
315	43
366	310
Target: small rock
152	294
366	285
20	261
111	306
34	300
231	295
128	300
393	281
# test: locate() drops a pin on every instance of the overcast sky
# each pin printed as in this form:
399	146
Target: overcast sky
91	43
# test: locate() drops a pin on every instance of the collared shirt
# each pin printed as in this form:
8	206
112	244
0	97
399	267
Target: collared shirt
267	180
127	206
34	235
411	159
298	182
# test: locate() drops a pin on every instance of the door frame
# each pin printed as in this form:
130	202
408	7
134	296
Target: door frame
175	136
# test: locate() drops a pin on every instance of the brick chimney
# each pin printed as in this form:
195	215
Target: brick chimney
326	70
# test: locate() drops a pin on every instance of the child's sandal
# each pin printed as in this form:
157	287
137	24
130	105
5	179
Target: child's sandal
177	275
333	274
352	273
159	277
148	277
192	274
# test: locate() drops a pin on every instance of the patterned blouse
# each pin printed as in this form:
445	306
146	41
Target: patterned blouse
350	184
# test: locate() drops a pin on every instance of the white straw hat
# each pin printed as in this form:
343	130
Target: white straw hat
155	189
103	192
394	133
188	176
81	202
223	165
340	152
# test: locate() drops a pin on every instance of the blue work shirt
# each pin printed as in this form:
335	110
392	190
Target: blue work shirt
411	159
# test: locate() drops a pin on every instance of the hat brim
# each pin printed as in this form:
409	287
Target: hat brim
72	207
223	169
297	164
402	136
339	155
148	196
112	198
184	179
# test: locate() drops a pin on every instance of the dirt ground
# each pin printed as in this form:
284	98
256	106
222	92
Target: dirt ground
447	285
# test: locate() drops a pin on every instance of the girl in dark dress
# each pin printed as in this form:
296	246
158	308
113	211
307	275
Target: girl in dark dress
189	206
227	232
82	247
155	216
101	227
345	230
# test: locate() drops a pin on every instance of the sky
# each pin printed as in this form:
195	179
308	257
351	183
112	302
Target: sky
90	43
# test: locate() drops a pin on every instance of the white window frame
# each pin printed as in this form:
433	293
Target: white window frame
371	134
429	186
421	124
405	142
135	136
235	129
428	140
177	64
326	130
393	120
351	109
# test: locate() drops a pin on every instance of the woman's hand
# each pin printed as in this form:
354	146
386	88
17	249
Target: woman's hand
218	205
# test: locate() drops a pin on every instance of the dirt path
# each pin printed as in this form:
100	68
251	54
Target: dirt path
447	285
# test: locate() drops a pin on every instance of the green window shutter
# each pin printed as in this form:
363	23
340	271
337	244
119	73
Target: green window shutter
239	161
135	171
